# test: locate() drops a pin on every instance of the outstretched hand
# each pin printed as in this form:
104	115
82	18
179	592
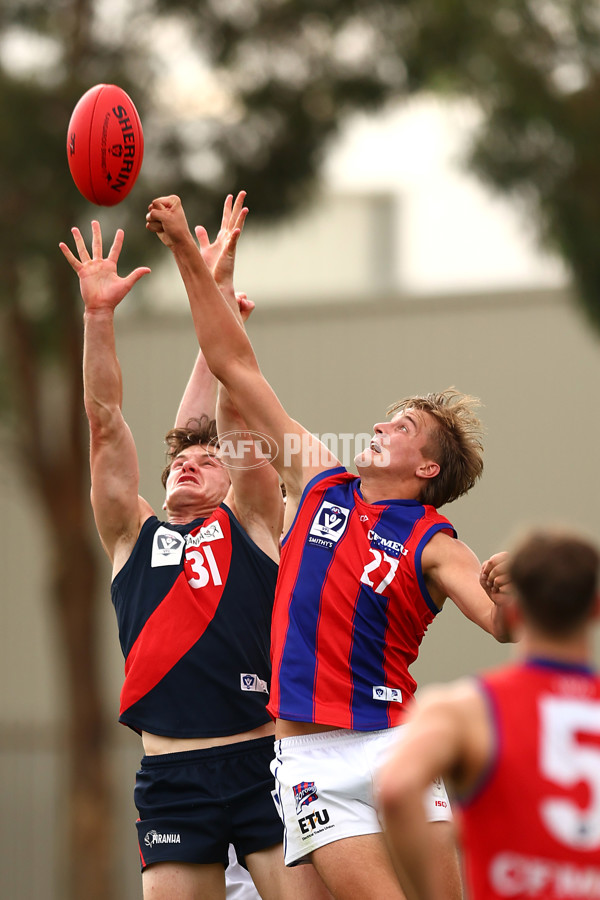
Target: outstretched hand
166	218
219	255
101	286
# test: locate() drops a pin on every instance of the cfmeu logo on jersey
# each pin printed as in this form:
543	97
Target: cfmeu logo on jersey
328	525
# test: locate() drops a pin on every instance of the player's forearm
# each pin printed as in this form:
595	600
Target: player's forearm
102	379
220	332
200	395
407	833
499	625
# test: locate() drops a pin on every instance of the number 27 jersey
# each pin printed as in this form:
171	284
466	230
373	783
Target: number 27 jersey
351	606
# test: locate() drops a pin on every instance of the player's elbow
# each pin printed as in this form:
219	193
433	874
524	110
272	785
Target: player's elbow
105	422
233	371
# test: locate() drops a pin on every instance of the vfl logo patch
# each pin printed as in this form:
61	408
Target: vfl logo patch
387	694
304	793
167	548
328	525
253	683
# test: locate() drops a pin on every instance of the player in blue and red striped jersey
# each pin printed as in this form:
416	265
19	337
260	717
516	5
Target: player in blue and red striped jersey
367	563
193	596
519	744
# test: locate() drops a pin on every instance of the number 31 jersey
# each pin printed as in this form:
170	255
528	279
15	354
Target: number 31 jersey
194	604
351	606
532	829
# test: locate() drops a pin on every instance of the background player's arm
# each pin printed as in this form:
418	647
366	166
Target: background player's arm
230	357
447	736
452	570
200	395
118	510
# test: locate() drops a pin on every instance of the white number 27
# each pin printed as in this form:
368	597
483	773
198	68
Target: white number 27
374	564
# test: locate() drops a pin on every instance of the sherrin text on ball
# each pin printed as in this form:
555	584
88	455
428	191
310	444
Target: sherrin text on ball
105	144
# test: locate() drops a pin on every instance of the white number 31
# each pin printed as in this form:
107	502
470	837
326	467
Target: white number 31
197	565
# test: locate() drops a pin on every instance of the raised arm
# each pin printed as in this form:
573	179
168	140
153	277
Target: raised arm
230	357
255	497
451	569
118	510
200	395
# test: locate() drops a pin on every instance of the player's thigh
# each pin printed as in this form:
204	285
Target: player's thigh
184	881
358	868
442	838
275	881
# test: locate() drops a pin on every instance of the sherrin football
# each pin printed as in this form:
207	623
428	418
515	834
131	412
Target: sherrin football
105	144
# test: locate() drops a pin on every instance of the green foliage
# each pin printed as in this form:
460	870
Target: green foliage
534	68
281	77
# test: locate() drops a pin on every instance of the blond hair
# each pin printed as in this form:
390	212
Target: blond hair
455	443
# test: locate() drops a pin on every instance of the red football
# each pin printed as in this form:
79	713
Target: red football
105	144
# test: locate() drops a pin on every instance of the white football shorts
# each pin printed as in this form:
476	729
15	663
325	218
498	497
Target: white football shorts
324	788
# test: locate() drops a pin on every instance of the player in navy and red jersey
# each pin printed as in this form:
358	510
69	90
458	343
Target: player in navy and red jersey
193	596
520	745
366	564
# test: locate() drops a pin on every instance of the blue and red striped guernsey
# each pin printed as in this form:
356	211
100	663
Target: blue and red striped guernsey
531	826
351	606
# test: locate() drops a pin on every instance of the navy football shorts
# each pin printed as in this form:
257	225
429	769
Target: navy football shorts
193	804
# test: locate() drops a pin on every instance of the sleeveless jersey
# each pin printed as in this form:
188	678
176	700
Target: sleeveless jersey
194	605
532	829
351	606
